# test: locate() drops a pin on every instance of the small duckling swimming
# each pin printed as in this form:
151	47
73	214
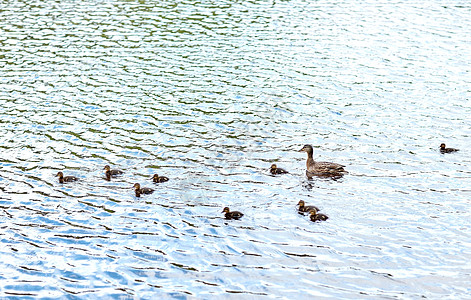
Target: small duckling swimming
139	190
109	173
303	208
63	178
443	149
321	168
236	215
157	179
317	217
274	170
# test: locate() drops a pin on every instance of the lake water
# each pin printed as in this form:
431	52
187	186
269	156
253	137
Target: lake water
210	94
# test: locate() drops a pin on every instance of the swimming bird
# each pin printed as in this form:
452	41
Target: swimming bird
303	208
109	173
157	179
63	178
139	190
443	149
317	217
236	215
321	168
274	170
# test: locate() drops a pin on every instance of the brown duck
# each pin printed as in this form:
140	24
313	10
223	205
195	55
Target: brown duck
111	173
306	208
444	149
157	179
317	217
138	190
236	215
321	168
275	170
63	178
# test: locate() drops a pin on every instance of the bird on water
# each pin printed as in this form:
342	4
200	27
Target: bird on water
111	173
317	217
306	208
138	190
275	170
63	178
444	149
321	168
236	215
157	179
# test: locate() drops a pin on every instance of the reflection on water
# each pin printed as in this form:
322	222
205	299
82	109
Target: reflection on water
210	95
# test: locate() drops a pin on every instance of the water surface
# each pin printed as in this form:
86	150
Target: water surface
211	94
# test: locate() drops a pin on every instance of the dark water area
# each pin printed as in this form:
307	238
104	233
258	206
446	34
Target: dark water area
210	94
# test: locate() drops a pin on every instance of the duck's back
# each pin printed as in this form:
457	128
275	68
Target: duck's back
324	167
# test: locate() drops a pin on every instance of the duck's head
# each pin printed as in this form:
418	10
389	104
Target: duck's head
312	212
136	186
107	168
156	176
273	166
301	203
60	174
306	148
442	146
226	210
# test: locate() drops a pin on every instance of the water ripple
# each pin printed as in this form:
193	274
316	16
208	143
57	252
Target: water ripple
211	94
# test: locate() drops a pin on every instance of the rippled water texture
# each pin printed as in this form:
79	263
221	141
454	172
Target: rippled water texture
211	94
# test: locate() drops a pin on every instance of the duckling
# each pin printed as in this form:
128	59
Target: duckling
317	217
109	172
63	178
157	179
139	190
303	208
274	170
236	215
321	168
443	149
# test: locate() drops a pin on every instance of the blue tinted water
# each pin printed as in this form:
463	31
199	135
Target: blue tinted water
211	94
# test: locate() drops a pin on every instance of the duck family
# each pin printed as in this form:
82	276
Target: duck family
313	168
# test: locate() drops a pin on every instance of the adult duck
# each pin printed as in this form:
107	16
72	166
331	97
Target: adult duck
444	149
321	168
63	178
138	190
236	215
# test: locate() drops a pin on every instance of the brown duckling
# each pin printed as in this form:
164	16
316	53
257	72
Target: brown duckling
274	170
321	168
443	149
139	190
303	208
157	179
111	173
317	217
63	178
236	215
